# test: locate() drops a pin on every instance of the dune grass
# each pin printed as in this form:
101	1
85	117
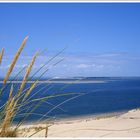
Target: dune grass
17	99
1	55
10	107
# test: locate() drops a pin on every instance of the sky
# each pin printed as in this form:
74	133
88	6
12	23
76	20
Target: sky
101	39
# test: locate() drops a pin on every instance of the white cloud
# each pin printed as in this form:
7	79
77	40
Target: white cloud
83	66
74	65
91	66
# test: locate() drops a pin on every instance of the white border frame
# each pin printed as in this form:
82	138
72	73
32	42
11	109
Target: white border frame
72	1
69	1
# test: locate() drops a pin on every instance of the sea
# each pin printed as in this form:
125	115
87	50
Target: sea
66	98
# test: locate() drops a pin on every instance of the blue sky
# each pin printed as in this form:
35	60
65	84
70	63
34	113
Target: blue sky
102	39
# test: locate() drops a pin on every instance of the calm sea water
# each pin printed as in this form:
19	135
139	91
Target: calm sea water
113	95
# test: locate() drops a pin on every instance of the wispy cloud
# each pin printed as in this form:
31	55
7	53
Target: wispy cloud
83	66
108	64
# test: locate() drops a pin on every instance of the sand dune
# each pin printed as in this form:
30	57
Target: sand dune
125	125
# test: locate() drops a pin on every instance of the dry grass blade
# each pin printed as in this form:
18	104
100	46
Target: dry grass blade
11	92
46	131
15	60
27	73
1	55
30	90
8	116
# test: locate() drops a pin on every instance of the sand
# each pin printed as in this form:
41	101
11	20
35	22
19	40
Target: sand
124	125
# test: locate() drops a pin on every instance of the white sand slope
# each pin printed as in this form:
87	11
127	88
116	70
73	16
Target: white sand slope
126	125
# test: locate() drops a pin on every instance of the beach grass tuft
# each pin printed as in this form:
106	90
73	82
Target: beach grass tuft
10	133
11	107
18	99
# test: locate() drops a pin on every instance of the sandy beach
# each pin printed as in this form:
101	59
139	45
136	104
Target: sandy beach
124	125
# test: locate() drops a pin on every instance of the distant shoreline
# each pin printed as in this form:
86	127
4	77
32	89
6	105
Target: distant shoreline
79	80
62	82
